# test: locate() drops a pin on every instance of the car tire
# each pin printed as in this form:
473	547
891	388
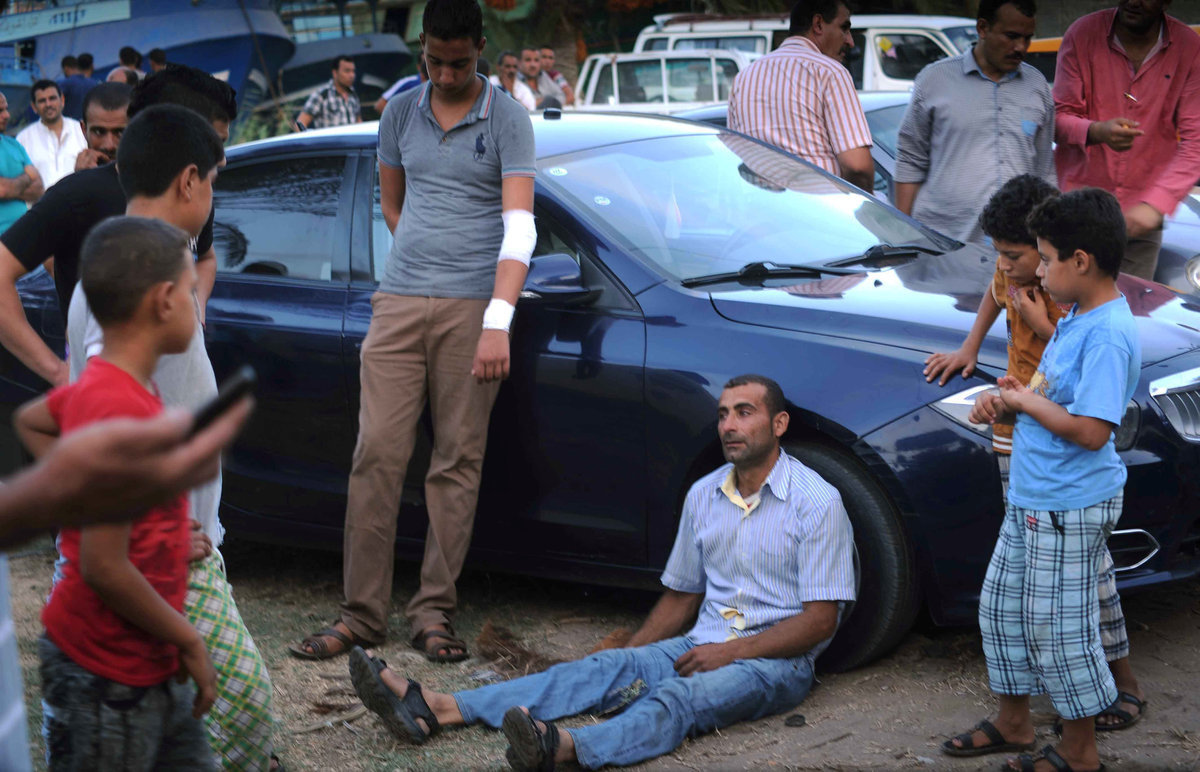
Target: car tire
888	597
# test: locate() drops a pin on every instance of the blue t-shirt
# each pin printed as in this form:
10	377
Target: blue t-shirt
1091	368
13	160
74	89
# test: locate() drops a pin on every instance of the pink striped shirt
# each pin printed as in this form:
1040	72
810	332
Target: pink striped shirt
801	100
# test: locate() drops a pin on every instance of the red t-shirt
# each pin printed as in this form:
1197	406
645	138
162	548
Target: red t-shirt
75	617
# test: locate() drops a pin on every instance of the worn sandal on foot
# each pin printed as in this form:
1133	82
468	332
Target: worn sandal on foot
420	642
1048	753
997	742
319	644
529	749
399	714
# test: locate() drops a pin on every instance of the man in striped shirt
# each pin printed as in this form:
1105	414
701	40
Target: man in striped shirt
763	560
801	98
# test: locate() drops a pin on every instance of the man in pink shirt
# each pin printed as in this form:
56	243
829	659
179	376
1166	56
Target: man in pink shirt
1127	107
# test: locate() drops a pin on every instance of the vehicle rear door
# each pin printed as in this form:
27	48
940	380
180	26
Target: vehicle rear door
281	236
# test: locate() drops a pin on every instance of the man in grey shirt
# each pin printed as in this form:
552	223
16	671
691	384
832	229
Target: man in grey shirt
456	188
546	90
975	121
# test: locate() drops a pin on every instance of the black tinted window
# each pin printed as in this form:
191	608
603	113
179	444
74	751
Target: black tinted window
279	218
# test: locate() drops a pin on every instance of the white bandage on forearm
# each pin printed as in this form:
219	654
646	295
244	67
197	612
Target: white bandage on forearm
498	315
520	236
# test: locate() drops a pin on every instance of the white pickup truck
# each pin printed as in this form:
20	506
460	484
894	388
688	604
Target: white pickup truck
889	49
658	81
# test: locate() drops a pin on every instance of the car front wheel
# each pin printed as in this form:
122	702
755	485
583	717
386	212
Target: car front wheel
888	597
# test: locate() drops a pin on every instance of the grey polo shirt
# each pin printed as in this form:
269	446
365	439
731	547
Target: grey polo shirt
448	237
964	135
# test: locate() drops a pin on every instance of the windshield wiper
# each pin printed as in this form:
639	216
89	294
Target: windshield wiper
886	252
753	273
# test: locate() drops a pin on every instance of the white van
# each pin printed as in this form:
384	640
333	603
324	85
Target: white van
658	81
889	49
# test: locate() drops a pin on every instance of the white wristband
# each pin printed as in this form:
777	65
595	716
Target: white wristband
498	315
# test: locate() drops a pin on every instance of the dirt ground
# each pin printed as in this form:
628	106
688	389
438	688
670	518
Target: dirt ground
890	715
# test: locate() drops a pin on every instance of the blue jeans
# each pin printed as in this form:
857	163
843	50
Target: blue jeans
658	707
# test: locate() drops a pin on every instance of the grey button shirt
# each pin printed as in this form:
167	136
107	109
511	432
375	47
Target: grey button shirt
448	237
964	135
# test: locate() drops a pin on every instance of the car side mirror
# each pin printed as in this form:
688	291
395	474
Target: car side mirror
558	279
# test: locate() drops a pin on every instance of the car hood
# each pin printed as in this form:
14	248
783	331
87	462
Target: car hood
930	304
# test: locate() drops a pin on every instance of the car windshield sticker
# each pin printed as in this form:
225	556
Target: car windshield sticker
602	200
558	171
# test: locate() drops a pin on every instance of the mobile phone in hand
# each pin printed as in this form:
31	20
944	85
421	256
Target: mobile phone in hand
236	386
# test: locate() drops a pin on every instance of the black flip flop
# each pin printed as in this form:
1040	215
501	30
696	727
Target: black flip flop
529	749
1048	753
399	714
997	743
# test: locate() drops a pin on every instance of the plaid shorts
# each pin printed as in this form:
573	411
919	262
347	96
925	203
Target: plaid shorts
1112	617
1039	611
239	724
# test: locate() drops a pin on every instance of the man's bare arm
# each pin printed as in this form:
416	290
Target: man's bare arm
15	333
391	195
858	168
673	611
906	196
12	188
206	277
305	118
114	470
492	354
791	637
35	189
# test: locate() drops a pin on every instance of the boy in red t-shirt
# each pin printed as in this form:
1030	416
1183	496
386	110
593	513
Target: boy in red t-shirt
115	635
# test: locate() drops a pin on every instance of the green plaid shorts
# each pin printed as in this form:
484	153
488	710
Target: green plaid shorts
240	723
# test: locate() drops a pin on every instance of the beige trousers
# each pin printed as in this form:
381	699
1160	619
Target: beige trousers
1141	255
417	349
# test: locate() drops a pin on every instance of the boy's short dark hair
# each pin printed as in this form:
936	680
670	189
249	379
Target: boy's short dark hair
112	95
1006	216
42	85
161	142
129	56
158	56
337	61
452	20
86	62
1089	219
774	399
69	61
122	258
804	11
178	84
989	8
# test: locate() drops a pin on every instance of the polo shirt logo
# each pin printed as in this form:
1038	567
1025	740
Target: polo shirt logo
480	148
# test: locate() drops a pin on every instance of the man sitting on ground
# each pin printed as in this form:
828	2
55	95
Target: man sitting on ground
765	522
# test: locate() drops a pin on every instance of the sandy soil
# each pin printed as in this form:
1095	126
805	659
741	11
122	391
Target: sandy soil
890	715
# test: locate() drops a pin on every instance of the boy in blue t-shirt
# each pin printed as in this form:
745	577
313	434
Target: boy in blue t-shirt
1039	611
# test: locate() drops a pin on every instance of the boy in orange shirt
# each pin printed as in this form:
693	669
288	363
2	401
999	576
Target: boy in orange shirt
115	636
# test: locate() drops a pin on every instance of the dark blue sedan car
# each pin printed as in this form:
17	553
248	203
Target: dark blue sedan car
670	257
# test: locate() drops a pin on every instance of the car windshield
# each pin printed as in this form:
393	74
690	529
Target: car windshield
962	37
703	204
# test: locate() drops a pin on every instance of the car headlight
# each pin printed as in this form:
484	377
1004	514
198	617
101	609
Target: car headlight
1126	432
958	406
1191	270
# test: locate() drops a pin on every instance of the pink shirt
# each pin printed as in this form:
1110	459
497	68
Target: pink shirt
801	100
1095	81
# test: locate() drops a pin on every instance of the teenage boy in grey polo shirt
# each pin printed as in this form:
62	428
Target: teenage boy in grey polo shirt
456	187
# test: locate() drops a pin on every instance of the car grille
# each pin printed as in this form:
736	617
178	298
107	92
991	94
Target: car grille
1178	396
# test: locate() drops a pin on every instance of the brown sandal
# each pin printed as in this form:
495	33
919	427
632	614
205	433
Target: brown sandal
420	642
319	644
